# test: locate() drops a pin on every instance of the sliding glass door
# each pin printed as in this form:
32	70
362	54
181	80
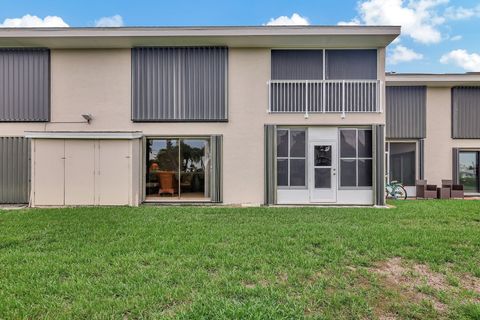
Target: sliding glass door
469	170
177	169
402	162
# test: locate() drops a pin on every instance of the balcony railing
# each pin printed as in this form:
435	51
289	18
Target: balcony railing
322	96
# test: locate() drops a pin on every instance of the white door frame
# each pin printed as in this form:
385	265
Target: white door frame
323	195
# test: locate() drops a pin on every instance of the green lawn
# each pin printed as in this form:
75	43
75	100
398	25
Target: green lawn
418	260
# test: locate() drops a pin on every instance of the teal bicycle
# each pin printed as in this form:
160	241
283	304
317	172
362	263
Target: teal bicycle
395	190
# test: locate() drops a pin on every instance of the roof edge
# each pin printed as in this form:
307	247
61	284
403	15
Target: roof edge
432	79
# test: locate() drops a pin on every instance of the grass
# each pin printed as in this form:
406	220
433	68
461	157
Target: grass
257	263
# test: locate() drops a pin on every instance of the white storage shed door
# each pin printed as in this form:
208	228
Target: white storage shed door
49	172
114	176
82	172
79	172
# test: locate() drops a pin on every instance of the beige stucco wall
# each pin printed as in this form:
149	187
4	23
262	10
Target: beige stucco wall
99	82
439	142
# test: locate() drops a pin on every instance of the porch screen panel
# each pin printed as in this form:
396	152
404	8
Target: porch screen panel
466	112
270	164
406	112
216	185
379	164
351	64
24	85
179	84
297	65
14	169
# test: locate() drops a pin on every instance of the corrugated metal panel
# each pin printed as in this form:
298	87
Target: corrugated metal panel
270	164
179	84
406	112
466	112
421	159
297	64
216	181
351	64
14	169
379	164
455	156
24	85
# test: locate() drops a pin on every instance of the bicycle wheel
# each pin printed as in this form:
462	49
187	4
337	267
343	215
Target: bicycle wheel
400	193
388	192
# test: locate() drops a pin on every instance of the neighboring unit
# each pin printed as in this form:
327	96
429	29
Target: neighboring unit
433	129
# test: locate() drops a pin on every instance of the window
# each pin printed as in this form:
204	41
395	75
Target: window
25	85
402	162
179	84
355	158
291	157
177	169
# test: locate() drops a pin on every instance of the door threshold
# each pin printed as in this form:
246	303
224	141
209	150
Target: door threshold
178	202
325	205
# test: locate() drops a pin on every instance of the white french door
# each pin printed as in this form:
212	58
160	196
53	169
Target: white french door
322	171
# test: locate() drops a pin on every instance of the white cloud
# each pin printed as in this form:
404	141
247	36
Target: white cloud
294	20
463	59
456	38
113	21
353	22
403	54
461	13
419	19
29	21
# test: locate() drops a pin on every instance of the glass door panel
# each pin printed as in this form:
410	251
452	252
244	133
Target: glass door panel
468	171
323	178
162	168
193	168
177	169
402	164
322	171
323	163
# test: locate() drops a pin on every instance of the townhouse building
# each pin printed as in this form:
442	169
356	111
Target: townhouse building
225	115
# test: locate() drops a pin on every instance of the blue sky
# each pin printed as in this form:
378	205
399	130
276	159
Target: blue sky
438	35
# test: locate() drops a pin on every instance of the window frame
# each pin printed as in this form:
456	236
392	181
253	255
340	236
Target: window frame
356	159
288	158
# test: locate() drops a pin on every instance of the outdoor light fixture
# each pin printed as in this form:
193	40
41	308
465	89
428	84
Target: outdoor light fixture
87	117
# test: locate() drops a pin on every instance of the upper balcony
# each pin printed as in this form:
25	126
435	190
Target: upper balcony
324	81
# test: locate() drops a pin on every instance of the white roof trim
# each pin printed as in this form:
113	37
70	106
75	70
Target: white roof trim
446	79
83	135
199	31
258	36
